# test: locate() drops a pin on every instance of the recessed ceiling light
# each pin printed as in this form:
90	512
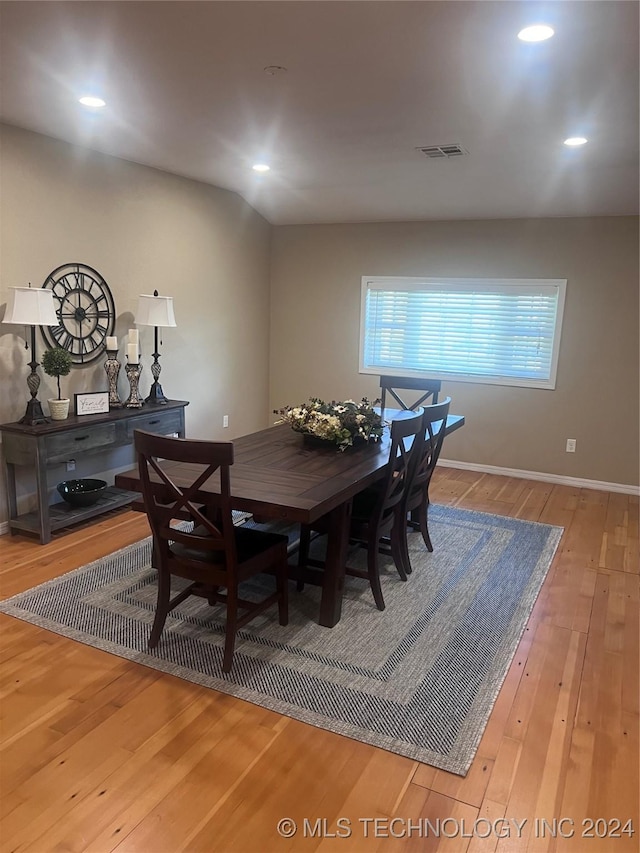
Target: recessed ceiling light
90	101
261	167
573	141
537	32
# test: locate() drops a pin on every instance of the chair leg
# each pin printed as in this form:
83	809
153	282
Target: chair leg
373	567
424	529
162	608
399	549
405	550
231	628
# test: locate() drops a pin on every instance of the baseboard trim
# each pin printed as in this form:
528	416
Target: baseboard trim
4	527
578	482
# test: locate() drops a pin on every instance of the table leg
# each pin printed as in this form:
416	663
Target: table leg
334	570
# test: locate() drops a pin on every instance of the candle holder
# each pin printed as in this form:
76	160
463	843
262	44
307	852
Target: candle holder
133	372
156	394
112	369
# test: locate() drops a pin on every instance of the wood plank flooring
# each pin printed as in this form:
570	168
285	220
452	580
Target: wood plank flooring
101	754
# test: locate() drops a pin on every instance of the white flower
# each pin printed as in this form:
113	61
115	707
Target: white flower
337	422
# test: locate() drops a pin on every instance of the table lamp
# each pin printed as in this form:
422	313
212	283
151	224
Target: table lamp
155	311
27	306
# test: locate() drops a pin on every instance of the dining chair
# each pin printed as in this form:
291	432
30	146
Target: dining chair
375	510
215	554
394	384
414	510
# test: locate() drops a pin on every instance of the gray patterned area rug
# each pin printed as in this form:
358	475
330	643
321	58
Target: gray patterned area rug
419	678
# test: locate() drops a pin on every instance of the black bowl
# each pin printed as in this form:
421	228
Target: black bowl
81	492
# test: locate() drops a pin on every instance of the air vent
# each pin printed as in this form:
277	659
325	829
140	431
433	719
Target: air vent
436	152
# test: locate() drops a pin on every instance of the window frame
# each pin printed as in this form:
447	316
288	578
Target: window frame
461	285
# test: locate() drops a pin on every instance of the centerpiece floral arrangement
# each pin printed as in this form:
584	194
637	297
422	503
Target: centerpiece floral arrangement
339	423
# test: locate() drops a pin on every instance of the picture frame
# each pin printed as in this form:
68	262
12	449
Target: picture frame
91	403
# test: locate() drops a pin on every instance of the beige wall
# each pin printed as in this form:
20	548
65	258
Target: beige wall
315	284
141	229
144	229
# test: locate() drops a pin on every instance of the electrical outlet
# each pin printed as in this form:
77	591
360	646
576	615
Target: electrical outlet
225	420
571	445
71	465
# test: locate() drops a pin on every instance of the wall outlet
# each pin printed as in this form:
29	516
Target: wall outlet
225	420
571	445
71	465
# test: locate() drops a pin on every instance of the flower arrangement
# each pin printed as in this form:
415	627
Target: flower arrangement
340	423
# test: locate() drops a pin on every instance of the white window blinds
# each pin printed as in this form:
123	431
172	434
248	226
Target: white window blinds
479	330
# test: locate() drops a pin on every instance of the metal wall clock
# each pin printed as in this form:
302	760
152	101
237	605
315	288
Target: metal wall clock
86	312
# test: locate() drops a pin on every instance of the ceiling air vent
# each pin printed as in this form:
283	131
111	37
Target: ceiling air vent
436	152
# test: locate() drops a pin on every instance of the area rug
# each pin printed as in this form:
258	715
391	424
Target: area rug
418	679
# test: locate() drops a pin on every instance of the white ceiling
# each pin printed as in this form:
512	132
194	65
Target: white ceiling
367	83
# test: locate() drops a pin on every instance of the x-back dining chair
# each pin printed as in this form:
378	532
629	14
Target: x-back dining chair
415	507
215	554
394	384
375	510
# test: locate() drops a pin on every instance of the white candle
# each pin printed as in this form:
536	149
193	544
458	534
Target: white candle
133	336
132	353
112	342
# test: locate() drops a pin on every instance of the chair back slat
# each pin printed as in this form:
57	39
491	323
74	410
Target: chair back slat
167	502
392	384
406	443
434	422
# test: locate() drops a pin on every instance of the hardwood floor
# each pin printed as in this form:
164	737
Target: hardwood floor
102	754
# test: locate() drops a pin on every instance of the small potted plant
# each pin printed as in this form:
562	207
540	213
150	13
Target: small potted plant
57	362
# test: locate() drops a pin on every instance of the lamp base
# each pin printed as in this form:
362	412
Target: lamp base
156	395
34	414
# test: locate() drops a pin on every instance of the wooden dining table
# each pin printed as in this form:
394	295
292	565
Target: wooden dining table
276	476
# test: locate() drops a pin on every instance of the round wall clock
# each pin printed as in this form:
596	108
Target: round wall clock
86	312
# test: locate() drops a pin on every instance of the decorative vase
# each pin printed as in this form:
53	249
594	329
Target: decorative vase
59	409
315	441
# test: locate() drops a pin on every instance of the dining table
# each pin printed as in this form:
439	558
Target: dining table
276	476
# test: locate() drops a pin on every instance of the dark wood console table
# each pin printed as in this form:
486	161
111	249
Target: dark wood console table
43	446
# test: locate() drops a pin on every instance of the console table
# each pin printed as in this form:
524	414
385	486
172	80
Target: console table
45	445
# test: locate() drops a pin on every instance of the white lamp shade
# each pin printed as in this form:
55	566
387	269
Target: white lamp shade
30	306
155	311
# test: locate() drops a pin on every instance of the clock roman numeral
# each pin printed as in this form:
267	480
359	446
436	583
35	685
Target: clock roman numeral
92	314
64	284
66	341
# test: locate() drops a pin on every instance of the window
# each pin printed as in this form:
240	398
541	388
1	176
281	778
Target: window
500	331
